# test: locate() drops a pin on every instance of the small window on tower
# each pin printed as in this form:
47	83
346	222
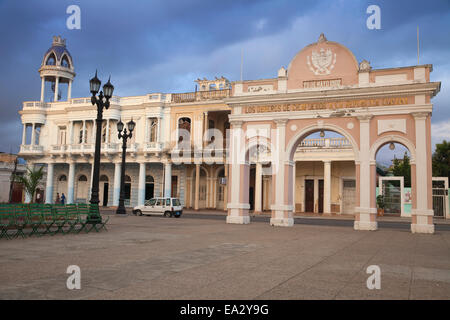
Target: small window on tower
51	61
65	62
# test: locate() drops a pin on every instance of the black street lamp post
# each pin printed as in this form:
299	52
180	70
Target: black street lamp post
124	136
102	102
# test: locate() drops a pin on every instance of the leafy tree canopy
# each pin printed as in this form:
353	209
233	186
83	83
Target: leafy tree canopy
441	160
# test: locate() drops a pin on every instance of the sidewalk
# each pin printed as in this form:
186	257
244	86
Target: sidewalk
111	210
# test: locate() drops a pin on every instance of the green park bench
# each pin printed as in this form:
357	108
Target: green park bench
27	220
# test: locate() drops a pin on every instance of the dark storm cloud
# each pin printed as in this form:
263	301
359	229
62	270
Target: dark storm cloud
162	46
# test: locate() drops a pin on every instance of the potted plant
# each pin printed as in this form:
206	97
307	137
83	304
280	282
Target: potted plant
380	205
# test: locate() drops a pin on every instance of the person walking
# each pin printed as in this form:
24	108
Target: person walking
63	199
58	199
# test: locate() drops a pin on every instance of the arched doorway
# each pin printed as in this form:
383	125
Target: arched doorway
221	187
127	191
104	190
393	180
82	189
61	186
149	187
324	174
199	199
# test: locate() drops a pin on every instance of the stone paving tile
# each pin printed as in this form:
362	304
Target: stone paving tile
160	258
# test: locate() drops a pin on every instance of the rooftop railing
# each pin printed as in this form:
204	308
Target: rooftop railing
201	96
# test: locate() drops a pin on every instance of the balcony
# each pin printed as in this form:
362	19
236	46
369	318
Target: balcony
331	143
31	149
153	146
200	96
35	105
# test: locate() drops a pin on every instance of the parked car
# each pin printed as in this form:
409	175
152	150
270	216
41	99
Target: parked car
168	207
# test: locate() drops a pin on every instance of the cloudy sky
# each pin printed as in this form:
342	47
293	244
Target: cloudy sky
163	45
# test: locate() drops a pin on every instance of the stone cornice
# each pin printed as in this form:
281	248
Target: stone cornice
431	88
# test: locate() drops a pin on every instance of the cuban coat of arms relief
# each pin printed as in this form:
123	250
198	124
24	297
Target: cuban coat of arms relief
322	62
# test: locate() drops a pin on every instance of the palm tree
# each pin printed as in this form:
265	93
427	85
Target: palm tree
30	181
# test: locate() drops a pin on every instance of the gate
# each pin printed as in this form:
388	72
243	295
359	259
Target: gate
348	196
392	188
440	197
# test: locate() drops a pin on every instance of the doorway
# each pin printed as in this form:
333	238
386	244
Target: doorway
309	195
321	196
174	191
149	187
105	194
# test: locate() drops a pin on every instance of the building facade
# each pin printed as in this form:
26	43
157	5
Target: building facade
304	141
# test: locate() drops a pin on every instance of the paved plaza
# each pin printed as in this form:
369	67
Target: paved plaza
205	258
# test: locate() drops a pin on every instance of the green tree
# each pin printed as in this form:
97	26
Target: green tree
441	160
30	181
402	168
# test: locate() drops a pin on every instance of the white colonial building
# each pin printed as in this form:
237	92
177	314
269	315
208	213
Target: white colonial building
304	141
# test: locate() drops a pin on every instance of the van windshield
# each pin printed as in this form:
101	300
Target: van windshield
175	202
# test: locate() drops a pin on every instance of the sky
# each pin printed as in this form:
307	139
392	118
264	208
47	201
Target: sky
163	45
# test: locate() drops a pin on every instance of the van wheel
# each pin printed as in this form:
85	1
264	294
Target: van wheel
139	212
167	214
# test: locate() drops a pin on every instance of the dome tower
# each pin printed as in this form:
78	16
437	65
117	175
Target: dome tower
57	68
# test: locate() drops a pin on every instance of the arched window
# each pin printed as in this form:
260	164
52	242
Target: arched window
51	60
104	178
82	178
65	62
153	130
184	127
149	179
62	178
127	179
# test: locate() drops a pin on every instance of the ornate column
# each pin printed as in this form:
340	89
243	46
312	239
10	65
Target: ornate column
141	189
282	180
116	194
42	89
167	179
197	185
107	131
24	134
326	186
225	191
365	214
69	90
49	184
71	132
83	140
71	183
33	134
258	188
55	97
422	216
238	184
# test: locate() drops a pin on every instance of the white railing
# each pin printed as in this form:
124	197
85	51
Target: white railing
35	104
28	148
325	143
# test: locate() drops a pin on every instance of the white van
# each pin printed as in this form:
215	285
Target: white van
168	207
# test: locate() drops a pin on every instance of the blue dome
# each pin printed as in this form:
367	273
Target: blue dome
59	50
